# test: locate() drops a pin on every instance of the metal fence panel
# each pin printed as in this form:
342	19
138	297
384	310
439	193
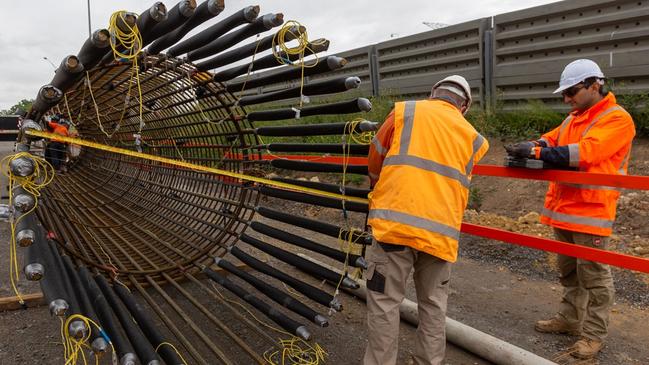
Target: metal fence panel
532	46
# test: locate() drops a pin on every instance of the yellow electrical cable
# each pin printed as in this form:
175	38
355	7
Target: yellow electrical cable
291	349
32	184
73	348
174	348
192	166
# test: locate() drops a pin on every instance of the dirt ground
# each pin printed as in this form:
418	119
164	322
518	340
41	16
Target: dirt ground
498	288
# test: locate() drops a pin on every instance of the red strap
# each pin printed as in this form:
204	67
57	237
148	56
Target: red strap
563	248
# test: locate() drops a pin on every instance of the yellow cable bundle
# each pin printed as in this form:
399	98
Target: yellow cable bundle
73	348
131	41
43	175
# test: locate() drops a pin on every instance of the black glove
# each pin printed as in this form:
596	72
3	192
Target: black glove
521	149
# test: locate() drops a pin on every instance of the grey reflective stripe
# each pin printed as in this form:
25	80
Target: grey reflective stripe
577	219
379	147
547	143
374	176
624	161
564	124
590	187
428	165
408	123
414	221
573	152
477	143
598	117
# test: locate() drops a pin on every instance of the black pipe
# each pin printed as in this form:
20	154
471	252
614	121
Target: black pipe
207	10
313	199
147	325
303	264
326	64
332	188
271	60
318	166
69	72
275	294
142	346
34	268
151	17
343	107
94	49
125	23
99	343
47	97
317	226
123	347
178	15
278	317
242	52
52	283
331	148
340	256
337	85
261	24
245	15
316	294
322	129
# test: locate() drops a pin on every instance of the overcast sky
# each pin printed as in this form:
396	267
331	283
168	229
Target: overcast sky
31	30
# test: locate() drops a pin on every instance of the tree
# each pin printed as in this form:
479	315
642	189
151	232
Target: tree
23	104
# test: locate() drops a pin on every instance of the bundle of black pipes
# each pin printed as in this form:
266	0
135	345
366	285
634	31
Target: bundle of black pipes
142	248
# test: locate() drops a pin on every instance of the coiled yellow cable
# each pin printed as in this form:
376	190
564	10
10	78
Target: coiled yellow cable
32	184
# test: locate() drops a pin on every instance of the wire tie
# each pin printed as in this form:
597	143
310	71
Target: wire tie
297	112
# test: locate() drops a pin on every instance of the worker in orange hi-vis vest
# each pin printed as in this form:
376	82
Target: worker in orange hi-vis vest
595	137
420	165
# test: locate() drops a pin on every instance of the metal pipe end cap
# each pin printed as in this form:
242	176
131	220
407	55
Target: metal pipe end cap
99	345
34	271
58	307
25	237
129	358
78	329
303	333
321	320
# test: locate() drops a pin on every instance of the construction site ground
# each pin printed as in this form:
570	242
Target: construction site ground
498	288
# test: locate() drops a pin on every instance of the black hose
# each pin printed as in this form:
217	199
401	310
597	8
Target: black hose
317	226
305	265
321	129
275	294
142	346
285	322
314	199
330	148
94	49
337	85
332	188
122	346
297	165
326	64
228	40
147	325
245	15
178	15
271	60
343	107
316	294
340	256
207	10
240	53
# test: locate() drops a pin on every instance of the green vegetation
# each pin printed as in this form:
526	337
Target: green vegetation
24	104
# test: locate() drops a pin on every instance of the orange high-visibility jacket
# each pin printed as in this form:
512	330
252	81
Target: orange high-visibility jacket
423	185
59	129
599	140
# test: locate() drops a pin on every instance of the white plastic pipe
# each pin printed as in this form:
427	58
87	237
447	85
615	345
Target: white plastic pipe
484	345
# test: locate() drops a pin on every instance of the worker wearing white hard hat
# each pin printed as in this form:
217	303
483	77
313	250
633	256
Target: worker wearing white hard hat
419	164
595	137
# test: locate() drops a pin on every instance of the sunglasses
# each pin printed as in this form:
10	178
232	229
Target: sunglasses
573	90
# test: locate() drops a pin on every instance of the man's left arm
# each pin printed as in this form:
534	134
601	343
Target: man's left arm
601	142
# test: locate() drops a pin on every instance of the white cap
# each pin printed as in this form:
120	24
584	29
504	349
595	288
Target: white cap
576	72
464	90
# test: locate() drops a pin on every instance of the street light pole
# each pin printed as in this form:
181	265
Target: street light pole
89	28
50	62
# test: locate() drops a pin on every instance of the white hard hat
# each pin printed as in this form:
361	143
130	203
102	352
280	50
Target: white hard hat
576	72
464	90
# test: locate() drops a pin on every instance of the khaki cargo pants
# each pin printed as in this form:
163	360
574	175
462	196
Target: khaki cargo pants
588	287
389	268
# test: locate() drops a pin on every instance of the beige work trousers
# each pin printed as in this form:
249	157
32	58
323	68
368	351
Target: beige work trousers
588	292
389	268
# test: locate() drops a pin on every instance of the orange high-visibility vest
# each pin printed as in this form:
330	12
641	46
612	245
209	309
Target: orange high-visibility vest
423	187
59	129
599	140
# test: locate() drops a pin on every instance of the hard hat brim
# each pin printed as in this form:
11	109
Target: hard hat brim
562	88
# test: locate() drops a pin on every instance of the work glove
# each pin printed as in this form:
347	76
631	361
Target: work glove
521	149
